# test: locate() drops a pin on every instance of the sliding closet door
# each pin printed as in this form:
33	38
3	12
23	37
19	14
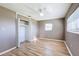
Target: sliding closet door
23	31
22	34
27	32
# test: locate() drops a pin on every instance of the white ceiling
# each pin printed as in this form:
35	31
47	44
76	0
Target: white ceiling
50	10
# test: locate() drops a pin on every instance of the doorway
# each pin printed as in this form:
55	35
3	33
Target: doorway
23	31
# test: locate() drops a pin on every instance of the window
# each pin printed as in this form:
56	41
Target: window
78	23
73	22
48	27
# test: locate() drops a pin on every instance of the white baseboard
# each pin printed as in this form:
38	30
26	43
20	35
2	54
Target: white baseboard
68	49
52	39
7	51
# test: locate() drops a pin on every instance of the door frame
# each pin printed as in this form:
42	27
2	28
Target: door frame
17	31
17	21
18	44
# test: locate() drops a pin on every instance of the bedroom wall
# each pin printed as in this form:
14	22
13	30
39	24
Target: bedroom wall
7	29
33	29
72	39
57	31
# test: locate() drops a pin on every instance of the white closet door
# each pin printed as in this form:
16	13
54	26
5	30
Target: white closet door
22	33
27	33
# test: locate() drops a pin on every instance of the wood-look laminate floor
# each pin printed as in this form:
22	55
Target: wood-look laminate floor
40	48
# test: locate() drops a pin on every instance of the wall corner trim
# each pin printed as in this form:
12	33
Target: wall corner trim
68	48
7	51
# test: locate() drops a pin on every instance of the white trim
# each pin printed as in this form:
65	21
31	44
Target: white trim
18	27
7	51
52	39
68	49
17	22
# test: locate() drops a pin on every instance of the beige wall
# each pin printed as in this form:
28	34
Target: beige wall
7	29
56	33
72	39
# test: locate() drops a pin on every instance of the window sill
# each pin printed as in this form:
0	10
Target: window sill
73	32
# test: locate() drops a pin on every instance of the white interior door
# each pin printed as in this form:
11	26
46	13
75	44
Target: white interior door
22	34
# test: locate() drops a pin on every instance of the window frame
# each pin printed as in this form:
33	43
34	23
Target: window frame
73	22
48	27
